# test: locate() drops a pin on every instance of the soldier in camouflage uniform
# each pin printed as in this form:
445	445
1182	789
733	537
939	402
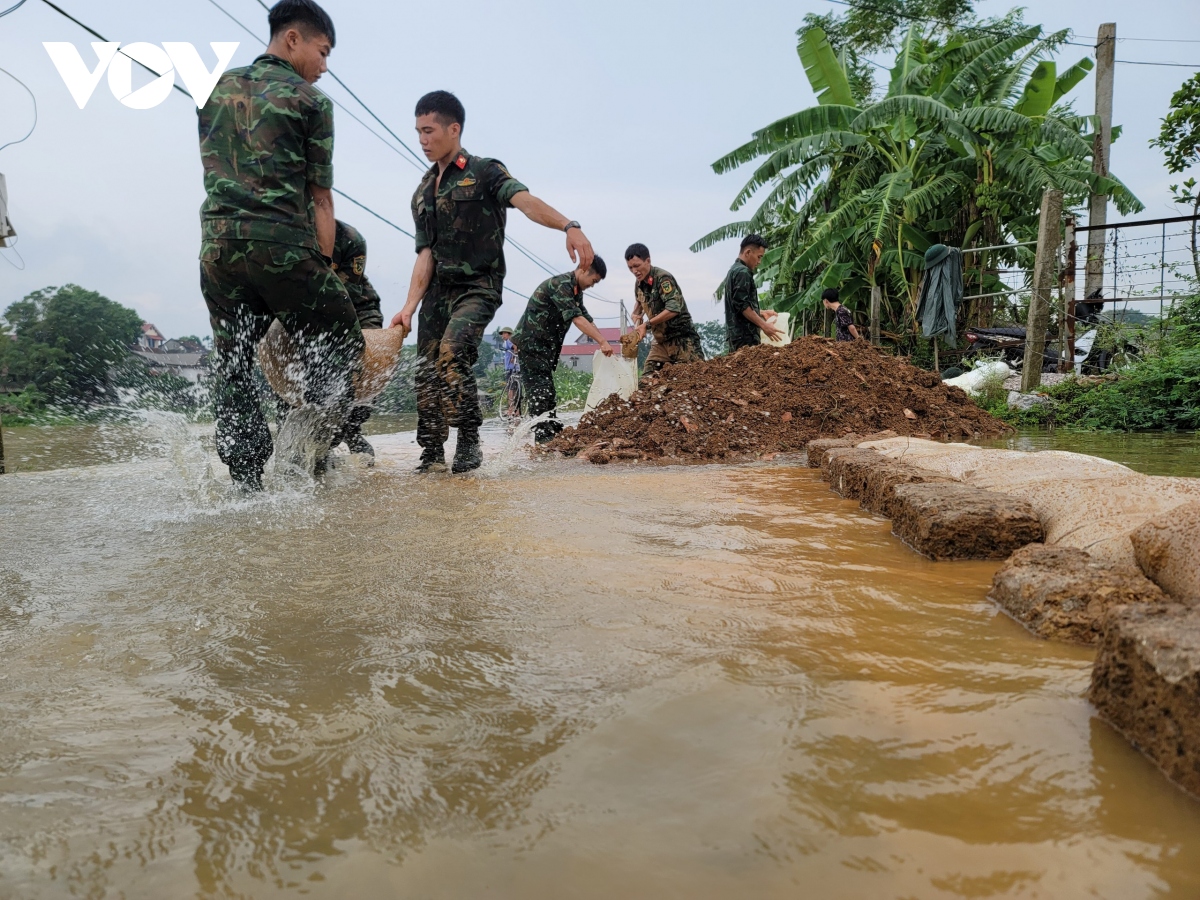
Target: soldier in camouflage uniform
661	302
555	306
266	143
460	210
743	317
350	263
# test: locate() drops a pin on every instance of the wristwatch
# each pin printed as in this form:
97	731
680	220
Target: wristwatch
572	224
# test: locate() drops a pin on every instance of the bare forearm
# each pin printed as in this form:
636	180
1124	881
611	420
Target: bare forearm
665	316
854	332
754	317
539	211
325	221
422	277
588	328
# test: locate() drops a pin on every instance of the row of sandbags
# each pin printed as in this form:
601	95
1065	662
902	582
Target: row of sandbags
1117	515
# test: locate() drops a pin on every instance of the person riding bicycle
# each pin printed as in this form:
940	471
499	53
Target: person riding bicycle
512	375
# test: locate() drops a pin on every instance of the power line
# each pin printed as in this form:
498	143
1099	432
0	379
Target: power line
333	100
19	4
95	33
31	97
1001	33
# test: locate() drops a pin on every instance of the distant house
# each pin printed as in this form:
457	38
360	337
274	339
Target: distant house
151	338
184	359
578	356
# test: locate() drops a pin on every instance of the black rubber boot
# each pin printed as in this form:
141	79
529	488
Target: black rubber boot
248	479
430	459
356	443
468	455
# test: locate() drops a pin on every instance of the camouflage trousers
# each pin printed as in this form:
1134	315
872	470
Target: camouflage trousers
686	349
246	285
450	327
537	377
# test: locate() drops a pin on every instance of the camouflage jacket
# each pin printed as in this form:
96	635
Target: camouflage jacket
661	291
547	318
740	295
265	135
462	220
350	263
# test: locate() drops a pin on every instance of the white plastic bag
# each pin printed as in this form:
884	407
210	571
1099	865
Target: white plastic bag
971	381
611	375
781	322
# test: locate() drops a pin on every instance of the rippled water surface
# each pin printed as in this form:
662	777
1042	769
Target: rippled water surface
552	680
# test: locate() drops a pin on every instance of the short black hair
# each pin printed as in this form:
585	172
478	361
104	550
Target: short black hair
641	251
830	294
753	240
599	267
304	13
445	106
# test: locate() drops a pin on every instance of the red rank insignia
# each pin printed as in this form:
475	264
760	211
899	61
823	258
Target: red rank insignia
461	162
650	281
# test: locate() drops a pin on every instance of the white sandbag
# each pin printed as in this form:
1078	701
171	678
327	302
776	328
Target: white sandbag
971	381
1083	501
611	375
781	322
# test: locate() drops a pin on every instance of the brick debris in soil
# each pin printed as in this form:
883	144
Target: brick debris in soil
765	400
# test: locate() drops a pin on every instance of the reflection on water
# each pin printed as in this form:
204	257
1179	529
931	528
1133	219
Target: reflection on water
554	680
1151	453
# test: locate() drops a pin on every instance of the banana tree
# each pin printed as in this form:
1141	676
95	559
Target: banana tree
962	142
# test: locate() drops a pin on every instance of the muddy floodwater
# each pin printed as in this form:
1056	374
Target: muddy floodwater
552	680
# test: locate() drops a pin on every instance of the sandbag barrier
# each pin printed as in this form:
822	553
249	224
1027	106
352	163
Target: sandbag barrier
1096	555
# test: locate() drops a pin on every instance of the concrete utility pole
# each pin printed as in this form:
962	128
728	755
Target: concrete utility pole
1067	326
1106	49
1043	284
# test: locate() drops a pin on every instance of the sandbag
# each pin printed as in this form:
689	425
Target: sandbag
1168	550
1083	501
611	375
280	360
973	380
781	322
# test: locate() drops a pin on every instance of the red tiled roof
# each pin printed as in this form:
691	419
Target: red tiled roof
609	334
579	349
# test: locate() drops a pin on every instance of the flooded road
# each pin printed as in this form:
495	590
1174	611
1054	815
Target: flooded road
552	680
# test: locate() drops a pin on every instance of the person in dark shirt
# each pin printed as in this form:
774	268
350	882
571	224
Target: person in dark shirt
845	321
743	317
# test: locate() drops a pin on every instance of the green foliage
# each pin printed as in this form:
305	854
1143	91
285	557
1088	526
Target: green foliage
1179	137
713	338
400	396
67	340
1162	391
572	387
957	149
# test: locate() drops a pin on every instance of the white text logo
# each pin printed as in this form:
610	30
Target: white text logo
165	61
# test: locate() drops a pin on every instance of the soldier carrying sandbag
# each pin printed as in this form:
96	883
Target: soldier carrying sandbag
266	142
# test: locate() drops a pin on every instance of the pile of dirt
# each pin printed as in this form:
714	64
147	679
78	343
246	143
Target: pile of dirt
765	400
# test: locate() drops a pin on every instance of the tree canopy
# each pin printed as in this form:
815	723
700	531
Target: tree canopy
66	341
956	147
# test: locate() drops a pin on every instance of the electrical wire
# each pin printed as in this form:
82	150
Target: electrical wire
19	4
95	33
13	248
31	97
1001	33
419	163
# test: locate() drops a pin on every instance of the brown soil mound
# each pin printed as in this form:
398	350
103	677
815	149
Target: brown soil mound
765	399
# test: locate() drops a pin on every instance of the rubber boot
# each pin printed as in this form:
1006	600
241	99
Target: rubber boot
468	455
431	458
247	479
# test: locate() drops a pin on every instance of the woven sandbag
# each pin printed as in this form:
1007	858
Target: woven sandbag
280	360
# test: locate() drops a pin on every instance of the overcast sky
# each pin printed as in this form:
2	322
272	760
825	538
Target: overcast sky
611	111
